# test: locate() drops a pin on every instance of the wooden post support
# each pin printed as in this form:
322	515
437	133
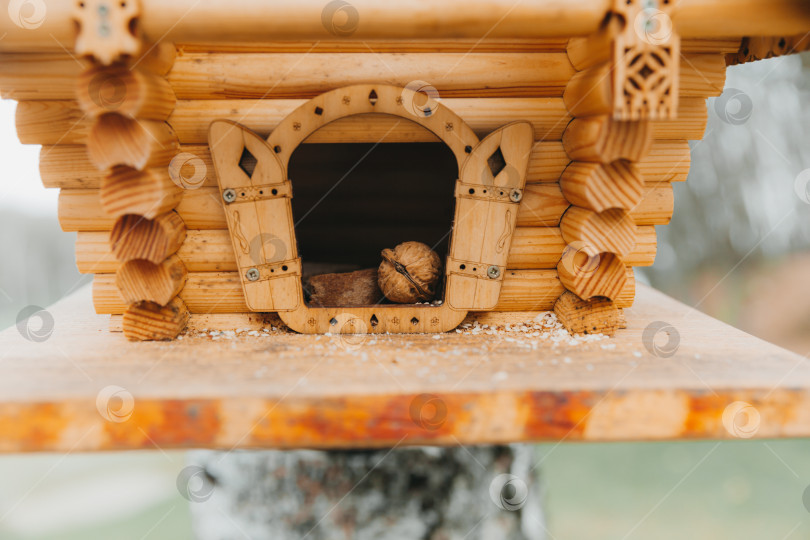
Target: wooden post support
477	493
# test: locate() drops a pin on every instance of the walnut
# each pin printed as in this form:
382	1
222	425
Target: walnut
409	273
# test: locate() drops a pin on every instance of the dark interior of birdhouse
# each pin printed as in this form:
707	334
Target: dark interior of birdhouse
351	201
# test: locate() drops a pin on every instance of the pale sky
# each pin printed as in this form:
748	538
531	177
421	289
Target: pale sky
19	181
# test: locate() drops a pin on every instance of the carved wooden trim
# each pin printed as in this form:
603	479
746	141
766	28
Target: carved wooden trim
492	174
646	61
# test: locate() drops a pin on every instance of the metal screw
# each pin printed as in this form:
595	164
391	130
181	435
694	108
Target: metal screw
252	274
516	195
229	195
493	272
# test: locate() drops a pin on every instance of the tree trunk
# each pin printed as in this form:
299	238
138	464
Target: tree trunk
407	493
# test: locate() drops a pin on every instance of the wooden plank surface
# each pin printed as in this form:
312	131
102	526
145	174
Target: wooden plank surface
289	390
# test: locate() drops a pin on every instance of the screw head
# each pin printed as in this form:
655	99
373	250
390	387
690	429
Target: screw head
229	195
515	195
493	272
252	274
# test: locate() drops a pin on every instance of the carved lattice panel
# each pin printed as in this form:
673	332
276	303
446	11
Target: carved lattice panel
646	60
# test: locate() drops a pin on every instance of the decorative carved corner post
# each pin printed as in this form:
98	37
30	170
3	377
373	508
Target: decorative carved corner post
628	76
125	92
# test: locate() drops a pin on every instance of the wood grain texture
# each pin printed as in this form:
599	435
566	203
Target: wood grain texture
221	292
251	21
136	237
610	231
596	316
306	75
233	395
140	144
542	206
148	193
212	251
130	92
590	275
67	166
600	139
62	122
599	187
147	321
140	280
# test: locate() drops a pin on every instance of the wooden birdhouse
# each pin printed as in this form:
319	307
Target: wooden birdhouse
212	158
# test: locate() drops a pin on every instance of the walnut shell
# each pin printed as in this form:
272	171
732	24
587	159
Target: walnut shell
409	273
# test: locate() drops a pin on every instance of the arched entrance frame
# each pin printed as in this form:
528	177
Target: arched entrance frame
258	208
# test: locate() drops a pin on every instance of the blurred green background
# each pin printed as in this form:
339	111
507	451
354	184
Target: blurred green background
737	249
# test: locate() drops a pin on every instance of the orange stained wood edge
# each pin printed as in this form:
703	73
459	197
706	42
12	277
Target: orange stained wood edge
69	392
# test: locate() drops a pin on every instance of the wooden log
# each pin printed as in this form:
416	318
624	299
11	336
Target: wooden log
139	280
592	274
545	162
596	316
246	20
67	166
148	193
51	122
708	45
212	250
52	75
136	237
26	76
359	288
411	45
147	321
594	49
407	45
81	210
690	123
656	206
306	75
129	92
699	18
62	122
667	161
252	20
590	92
610	231
604	140
599	187
118	140
547	115
221	292
542	206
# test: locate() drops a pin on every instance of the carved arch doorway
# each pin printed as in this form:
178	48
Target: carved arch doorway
492	173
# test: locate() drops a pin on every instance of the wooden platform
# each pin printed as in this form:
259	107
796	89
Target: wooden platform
288	390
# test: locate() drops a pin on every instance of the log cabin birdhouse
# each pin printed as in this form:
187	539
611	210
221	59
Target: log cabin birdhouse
212	158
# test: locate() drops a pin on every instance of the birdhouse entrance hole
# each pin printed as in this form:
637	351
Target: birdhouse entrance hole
351	201
393	195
